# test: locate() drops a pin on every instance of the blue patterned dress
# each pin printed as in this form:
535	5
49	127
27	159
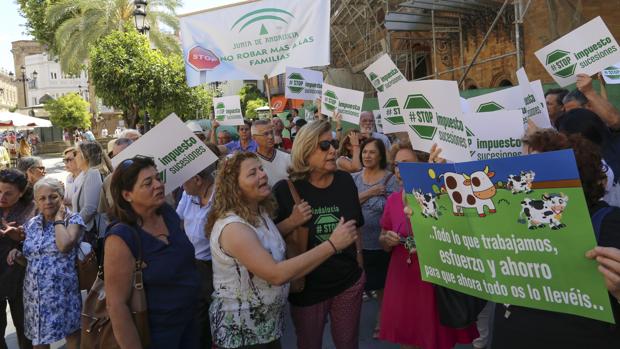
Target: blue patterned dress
52	301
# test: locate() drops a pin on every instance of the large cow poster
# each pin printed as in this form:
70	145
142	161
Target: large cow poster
513	231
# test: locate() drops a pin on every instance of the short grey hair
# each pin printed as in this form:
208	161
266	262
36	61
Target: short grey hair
260	122
24	164
123	141
130	131
577	96
92	153
52	183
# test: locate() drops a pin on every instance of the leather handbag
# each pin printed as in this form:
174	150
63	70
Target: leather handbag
96	327
87	268
296	244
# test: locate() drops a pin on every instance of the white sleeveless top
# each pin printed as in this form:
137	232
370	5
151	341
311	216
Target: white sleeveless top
246	310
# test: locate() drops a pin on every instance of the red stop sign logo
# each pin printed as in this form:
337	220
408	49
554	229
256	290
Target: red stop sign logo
202	59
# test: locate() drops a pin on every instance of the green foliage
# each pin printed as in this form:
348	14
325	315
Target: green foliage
250	113
248	93
36	24
130	76
69	111
77	24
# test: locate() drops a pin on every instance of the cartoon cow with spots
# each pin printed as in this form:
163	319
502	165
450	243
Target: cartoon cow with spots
546	211
473	191
521	183
428	204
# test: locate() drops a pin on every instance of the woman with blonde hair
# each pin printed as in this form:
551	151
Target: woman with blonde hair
250	273
24	148
349	152
335	287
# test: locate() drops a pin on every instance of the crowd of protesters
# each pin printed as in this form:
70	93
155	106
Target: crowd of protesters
293	212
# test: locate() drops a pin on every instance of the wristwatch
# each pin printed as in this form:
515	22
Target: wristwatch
59	222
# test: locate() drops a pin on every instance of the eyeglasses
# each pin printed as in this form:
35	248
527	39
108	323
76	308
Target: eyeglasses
125	164
271	134
67	160
324	145
244	129
40	168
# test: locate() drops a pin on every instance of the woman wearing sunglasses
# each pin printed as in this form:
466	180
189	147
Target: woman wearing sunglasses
335	287
408	315
169	271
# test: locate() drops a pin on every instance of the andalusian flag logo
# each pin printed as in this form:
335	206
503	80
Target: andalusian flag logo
266	14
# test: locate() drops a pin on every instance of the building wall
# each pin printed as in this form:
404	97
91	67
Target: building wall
8	92
542	26
20	50
51	81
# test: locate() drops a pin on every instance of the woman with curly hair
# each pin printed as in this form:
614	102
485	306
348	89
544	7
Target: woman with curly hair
250	273
521	327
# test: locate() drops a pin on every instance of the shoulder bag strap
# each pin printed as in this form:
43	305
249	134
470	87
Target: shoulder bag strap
597	220
387	179
293	191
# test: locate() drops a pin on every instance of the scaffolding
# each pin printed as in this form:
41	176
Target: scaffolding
363	30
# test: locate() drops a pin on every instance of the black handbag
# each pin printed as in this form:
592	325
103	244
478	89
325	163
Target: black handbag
457	309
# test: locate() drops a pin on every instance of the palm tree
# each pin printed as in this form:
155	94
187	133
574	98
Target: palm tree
82	22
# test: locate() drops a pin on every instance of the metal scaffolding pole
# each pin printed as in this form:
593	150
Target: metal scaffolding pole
484	40
517	30
435	68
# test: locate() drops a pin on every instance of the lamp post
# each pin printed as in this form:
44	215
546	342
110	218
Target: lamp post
143	28
24	80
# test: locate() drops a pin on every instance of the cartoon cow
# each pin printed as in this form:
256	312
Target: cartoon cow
521	183
428	204
546	211
473	191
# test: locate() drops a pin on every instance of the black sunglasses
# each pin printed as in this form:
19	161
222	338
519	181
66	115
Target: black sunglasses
125	164
324	145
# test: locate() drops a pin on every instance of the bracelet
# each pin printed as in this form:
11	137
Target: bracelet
59	222
358	252
333	246
339	129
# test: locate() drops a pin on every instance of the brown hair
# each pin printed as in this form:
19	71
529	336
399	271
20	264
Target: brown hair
342	149
124	178
587	155
228	197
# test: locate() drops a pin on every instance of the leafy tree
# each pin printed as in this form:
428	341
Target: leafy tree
36	24
253	104
128	75
81	23
248	93
69	111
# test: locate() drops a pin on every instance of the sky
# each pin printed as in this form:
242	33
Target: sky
13	24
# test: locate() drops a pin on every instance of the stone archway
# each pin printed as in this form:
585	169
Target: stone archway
501	79
470	84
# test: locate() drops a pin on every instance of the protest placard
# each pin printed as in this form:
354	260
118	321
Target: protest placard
228	110
303	84
611	74
383	73
342	100
432	113
495	134
391	113
378	122
247	41
177	152
534	104
512	231
513	98
587	49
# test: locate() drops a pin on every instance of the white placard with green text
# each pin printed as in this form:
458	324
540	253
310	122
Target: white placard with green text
534	104
384	74
342	100
513	98
177	152
611	74
587	49
228	110
303	84
256	38
391	113
432	111
495	134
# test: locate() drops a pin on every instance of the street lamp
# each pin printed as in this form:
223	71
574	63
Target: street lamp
24	80
142	26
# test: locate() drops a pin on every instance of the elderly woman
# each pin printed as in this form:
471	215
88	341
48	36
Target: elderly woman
87	186
335	287
250	273
519	327
15	210
52	300
170	276
409	315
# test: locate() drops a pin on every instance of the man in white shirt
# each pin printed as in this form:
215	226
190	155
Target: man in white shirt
275	162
